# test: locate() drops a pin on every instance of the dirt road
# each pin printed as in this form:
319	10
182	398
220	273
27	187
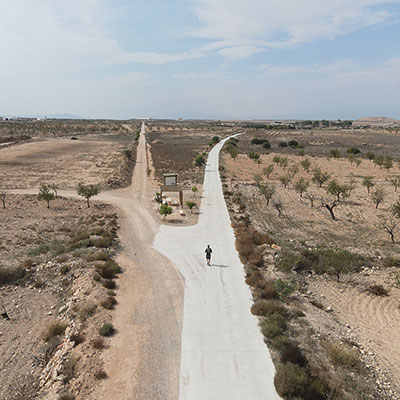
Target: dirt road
143	360
223	353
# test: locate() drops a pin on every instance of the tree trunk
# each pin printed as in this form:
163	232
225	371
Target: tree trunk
88	204
331	211
392	236
48	203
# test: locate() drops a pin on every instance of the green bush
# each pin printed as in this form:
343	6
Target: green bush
290	380
294	144
283	144
107	329
273	326
101	255
63	270
353	150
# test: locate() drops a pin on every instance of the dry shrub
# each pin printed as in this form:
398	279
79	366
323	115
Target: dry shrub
268	291
11	275
274	325
104	271
255	279
290	380
293	354
66	395
281	342
87	309
110	292
377	290
101	374
260	238
54	328
256	258
96	277
109	284
101	256
342	354
264	308
29	262
98	343
108	303
69	368
77	338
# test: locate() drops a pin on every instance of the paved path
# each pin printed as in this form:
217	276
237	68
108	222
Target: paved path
223	353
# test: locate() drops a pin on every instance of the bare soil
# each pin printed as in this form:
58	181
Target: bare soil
56	284
95	159
348	313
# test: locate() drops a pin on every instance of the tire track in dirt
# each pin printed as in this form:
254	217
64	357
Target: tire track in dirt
375	320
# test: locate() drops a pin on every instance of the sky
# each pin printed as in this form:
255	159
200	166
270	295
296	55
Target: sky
219	59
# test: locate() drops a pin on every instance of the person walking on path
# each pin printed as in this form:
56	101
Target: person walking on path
208	252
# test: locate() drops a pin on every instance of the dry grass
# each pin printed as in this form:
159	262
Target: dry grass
54	328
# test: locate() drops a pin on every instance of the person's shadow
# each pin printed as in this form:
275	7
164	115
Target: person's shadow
219	265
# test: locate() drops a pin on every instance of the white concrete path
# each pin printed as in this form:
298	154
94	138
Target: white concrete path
223	353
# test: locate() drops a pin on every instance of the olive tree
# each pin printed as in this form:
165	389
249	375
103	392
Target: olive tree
268	170
368	182
46	194
267	191
320	177
87	191
378	196
301	186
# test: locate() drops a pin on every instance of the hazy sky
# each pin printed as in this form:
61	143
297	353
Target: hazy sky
200	58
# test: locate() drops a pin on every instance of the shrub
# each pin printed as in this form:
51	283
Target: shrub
107	329
100	374
98	343
11	275
294	144
283	144
342	354
266	145
102	242
54	328
104	271
268	291
199	160
110	292
255	279
108	303
41	249
66	395
353	150
377	290
87	309
96	277
273	326
264	308
290	380
293	354
285	287
63	270
335	153
109	284
69	368
281	342
100	256
77	338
